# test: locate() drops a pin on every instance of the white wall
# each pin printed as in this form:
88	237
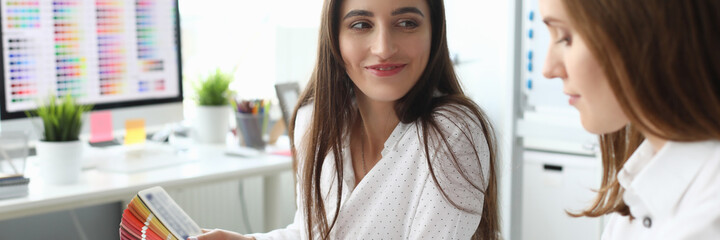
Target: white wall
480	33
256	39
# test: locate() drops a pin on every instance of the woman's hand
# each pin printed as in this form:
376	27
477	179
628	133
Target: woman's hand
219	234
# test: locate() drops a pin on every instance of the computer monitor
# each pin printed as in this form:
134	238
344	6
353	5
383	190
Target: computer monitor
120	55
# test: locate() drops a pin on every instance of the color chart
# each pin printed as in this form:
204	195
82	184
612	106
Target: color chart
71	64
157	85
100	51
147	36
22	61
23	14
111	50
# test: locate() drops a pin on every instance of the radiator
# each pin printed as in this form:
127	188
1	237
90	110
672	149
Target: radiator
218	205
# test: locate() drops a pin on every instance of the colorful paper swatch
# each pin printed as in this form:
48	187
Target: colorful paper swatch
139	223
135	131
154	215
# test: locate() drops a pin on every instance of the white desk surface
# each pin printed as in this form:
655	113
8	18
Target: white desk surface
99	186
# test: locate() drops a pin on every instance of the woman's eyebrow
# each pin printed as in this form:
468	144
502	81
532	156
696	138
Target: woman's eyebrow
354	13
365	13
407	10
550	20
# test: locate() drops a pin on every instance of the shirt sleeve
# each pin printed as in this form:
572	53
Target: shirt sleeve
291	232
463	181
436	218
296	229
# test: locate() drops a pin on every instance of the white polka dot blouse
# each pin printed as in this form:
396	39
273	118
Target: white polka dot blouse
398	198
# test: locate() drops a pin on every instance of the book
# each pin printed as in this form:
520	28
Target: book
152	214
12	191
16	179
13	185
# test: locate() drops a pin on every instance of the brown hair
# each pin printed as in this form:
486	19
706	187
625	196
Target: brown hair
330	92
662	63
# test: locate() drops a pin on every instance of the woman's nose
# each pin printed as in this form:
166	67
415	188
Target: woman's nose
383	45
554	65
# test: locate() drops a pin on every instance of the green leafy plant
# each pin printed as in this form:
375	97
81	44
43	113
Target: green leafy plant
62	121
214	90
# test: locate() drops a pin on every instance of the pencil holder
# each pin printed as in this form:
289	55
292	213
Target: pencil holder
250	126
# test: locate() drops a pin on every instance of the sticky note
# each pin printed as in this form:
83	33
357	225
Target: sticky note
135	131
101	127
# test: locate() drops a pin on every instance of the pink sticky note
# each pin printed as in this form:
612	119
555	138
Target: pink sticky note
101	127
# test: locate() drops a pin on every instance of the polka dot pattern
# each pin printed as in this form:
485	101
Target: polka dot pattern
398	198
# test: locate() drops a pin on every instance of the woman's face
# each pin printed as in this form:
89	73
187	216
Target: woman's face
583	79
385	45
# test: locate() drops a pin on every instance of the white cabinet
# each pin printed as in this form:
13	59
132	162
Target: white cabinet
552	184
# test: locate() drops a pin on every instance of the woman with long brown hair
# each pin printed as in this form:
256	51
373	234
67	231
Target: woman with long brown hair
645	76
387	145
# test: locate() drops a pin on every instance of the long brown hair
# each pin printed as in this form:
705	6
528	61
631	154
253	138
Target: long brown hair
662	63
330	92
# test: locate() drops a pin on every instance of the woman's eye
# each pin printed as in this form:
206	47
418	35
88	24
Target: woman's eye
407	24
566	40
360	25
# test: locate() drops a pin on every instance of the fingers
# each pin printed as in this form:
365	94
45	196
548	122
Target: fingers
218	234
208	234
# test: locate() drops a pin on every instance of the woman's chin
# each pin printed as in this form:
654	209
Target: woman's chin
600	127
385	95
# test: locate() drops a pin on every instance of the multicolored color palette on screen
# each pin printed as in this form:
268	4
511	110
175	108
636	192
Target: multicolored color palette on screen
22	59
111	46
23	14
71	64
147	44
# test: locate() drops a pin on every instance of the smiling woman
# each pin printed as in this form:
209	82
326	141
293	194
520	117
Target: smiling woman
386	144
385	56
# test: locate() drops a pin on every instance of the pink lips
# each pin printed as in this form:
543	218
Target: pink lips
385	70
573	98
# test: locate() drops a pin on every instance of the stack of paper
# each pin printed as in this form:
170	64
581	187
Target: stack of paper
15	185
152	214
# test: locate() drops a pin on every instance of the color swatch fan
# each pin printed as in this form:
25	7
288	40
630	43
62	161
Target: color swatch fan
153	215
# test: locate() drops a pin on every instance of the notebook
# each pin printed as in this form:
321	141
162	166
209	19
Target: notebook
13	185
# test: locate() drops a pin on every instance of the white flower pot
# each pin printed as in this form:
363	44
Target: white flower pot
60	162
211	124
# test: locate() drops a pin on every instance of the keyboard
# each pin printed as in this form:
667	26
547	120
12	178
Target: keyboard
132	159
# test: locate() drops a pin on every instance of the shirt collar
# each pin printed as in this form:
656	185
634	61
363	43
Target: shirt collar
660	181
395	137
389	145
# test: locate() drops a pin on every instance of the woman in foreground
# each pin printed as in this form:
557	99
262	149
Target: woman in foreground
645	75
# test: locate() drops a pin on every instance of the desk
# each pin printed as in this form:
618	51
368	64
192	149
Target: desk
97	187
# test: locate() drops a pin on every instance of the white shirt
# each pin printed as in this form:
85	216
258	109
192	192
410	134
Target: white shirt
398	199
674	194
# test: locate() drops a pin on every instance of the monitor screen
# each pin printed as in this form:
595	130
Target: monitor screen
110	53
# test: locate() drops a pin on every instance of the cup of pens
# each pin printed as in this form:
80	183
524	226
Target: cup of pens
252	117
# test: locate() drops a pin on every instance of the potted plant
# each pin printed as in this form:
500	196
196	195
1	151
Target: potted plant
211	119
59	150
